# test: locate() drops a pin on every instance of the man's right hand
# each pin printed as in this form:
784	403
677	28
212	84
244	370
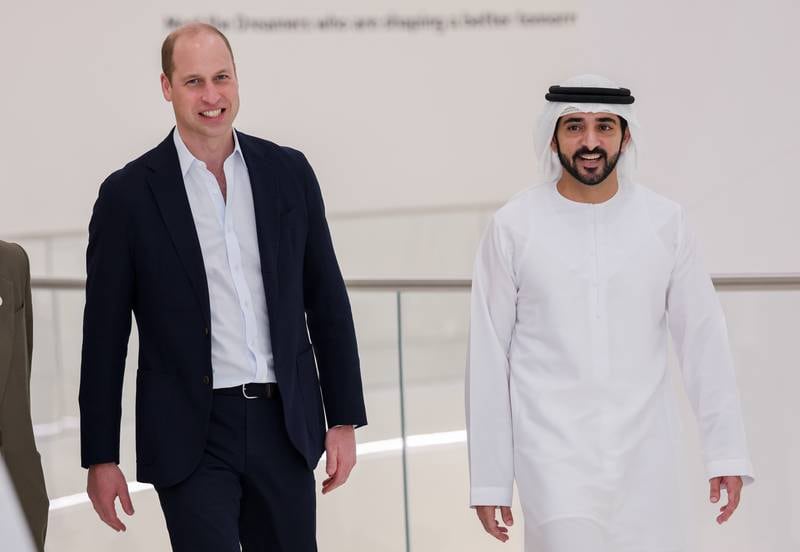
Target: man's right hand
104	484
486	515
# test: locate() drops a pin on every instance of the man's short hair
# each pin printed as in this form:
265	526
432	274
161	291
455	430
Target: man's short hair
167	48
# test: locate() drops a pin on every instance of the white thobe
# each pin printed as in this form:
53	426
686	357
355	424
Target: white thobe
567	384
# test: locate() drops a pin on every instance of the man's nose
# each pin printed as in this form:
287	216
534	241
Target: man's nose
210	94
591	140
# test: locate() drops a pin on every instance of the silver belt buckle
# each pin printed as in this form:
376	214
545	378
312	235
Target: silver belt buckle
244	392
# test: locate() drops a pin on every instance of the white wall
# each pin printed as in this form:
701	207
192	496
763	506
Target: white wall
394	119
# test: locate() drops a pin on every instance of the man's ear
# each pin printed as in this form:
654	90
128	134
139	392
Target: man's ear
554	139
166	87
626	139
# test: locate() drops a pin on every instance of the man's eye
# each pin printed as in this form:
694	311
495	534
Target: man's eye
573	128
192	82
222	77
606	128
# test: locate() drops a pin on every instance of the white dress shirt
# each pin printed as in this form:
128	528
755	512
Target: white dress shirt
241	350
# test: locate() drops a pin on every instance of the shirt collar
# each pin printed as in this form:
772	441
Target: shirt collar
185	157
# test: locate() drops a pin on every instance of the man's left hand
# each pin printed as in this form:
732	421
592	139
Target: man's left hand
733	487
340	452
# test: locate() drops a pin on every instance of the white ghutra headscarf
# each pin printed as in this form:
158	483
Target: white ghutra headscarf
549	164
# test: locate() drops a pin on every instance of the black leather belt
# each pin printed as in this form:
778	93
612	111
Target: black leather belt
250	391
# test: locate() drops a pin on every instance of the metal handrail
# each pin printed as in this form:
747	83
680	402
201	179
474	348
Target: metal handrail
333	216
728	282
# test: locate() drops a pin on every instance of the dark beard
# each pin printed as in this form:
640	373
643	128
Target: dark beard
592	179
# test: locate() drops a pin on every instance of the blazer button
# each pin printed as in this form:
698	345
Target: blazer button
205	331
206	380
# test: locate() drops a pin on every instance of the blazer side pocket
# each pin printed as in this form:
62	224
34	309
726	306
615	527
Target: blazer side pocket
308	380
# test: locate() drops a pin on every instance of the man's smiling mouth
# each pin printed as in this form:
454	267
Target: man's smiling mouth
212	113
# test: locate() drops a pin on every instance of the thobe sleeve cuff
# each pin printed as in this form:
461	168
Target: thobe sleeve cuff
491	496
739	466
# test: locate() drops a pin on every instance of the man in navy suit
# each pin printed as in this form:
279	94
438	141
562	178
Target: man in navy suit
217	242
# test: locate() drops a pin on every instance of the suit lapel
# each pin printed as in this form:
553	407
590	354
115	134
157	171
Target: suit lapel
166	183
266	201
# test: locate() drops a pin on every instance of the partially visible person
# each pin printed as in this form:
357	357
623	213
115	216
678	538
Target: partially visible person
14	533
17	445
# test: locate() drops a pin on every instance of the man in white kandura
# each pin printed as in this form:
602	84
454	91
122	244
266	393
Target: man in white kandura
576	284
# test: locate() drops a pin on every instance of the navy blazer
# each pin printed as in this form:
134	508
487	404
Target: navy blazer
144	257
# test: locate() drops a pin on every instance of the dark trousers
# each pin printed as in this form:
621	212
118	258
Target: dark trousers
251	487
